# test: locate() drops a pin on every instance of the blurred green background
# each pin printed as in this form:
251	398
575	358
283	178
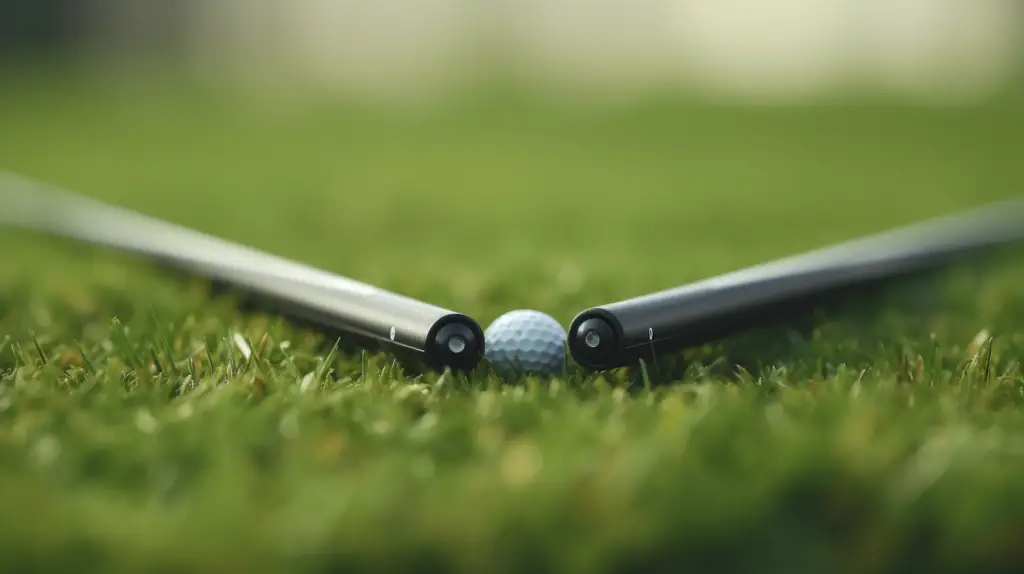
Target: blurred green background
507	204
552	155
520	154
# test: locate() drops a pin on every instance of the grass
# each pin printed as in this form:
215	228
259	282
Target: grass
137	436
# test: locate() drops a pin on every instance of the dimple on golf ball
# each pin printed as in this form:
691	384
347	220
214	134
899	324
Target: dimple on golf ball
526	342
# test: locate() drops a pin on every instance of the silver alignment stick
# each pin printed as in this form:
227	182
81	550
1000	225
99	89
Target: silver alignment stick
439	337
617	334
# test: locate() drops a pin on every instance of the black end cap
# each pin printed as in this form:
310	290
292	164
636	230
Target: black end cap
457	344
594	340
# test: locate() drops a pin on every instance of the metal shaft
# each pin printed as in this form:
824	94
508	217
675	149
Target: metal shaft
617	334
439	337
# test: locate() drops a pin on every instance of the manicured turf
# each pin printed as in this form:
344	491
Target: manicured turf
135	436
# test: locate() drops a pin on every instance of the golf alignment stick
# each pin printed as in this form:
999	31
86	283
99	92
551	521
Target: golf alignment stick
619	334
413	329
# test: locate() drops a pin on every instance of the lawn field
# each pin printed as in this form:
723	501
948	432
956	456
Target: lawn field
135	435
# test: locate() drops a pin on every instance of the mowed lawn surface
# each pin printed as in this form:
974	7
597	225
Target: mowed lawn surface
135	435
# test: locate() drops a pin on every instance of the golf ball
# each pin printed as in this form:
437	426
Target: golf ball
527	342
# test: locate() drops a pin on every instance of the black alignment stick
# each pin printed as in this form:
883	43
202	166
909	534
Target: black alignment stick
618	334
438	337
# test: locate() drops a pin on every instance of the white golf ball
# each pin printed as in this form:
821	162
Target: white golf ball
527	342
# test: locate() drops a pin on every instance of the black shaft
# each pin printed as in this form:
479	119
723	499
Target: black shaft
617	334
439	337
